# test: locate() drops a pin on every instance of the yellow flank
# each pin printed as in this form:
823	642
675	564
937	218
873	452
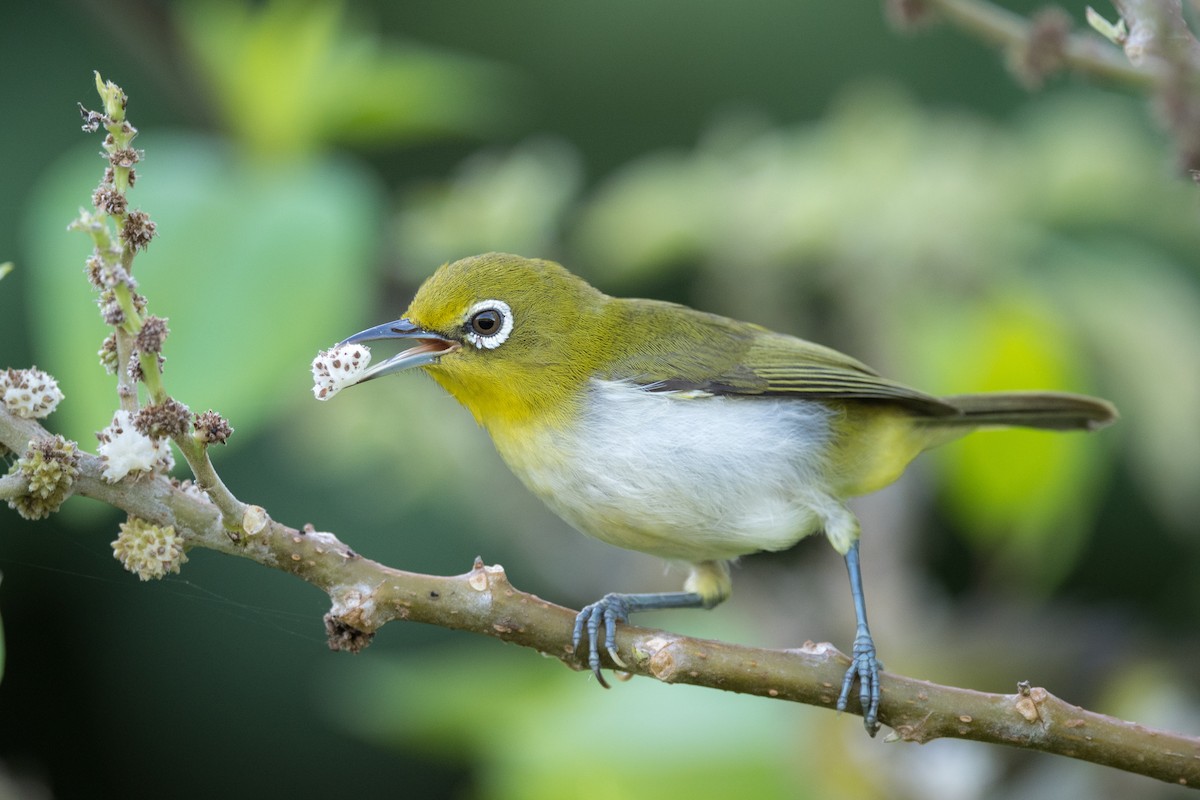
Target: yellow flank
710	580
874	444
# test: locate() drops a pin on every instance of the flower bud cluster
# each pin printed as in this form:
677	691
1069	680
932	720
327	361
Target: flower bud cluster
138	229
29	393
211	428
109	201
163	420
105	272
108	354
149	339
51	466
152	334
122	157
149	551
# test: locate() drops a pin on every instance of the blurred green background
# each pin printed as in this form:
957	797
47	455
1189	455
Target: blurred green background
800	165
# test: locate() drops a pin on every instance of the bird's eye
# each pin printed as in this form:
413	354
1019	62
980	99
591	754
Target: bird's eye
486	322
489	323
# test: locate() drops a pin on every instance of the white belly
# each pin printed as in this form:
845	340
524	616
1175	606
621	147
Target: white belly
687	476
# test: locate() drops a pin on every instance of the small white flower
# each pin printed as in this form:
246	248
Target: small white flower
124	449
29	393
190	488
337	368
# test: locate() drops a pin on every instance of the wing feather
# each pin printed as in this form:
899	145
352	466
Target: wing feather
717	355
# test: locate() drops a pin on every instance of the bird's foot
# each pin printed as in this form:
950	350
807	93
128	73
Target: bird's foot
605	612
864	666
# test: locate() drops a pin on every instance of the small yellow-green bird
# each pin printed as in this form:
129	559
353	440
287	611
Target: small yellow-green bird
682	434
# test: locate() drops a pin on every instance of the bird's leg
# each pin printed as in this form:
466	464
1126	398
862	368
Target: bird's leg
613	608
863	663
706	586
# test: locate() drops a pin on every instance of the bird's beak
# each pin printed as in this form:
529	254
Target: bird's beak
430	347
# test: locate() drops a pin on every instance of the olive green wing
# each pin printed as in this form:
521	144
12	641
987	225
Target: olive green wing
792	367
717	355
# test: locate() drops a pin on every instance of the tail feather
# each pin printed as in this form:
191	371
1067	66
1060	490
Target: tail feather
1056	411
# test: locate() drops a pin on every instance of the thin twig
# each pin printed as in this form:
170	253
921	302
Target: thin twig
196	455
1084	52
1159	34
13	486
1161	56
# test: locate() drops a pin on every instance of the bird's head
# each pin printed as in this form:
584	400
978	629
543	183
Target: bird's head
509	337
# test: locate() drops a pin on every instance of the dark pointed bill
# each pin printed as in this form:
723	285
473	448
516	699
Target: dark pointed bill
430	346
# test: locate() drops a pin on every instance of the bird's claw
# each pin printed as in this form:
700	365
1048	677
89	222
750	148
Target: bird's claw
607	611
864	666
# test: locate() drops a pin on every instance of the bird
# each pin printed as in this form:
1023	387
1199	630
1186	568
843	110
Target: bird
682	434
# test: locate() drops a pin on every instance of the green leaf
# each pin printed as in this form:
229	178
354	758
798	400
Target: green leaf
1022	494
288	77
256	266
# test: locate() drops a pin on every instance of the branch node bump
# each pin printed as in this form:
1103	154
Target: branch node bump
481	576
254	520
1027	701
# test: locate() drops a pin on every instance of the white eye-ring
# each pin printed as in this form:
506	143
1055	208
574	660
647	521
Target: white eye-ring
489	322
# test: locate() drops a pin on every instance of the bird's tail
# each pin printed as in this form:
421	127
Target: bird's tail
873	460
1057	411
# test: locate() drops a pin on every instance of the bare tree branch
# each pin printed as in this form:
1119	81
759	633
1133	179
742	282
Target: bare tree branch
12	486
366	595
1161	55
1084	53
1157	30
1159	34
